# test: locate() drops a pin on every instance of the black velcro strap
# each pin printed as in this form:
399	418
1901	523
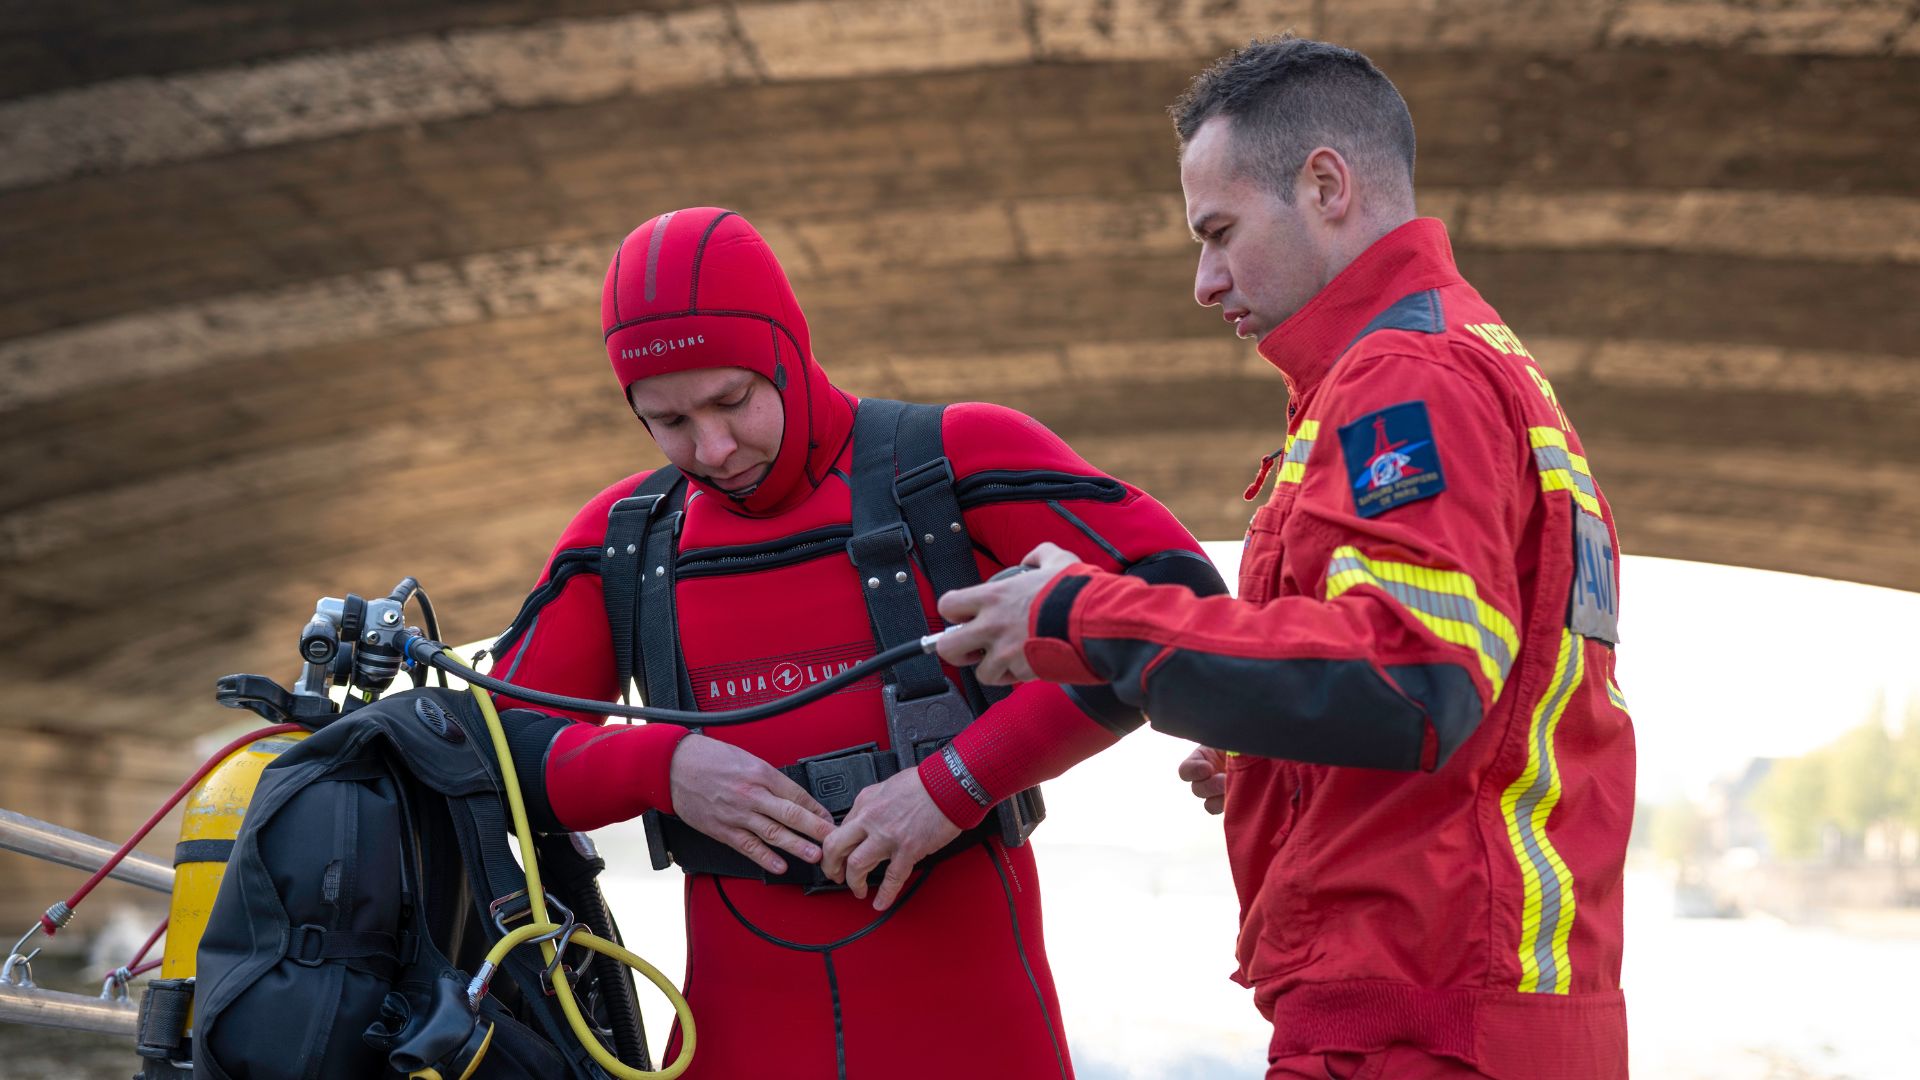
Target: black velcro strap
622	555
165	1011
834	779
925	493
663	675
191	851
312	946
697	853
882	548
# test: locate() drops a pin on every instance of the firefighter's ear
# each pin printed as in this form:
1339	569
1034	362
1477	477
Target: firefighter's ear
1324	186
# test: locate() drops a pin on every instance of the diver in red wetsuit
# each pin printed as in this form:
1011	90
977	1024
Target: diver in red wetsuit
936	968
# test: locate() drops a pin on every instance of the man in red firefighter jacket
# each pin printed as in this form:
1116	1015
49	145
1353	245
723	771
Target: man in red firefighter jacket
1428	767
754	597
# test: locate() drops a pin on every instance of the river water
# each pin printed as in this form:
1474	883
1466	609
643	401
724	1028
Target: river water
1140	916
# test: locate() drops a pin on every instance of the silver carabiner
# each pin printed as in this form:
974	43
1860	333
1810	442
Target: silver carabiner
22	964
114	988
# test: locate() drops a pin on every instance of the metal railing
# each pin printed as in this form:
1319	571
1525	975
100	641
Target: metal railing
45	840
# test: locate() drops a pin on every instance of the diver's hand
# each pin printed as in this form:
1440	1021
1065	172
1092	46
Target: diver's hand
1206	769
745	803
992	637
895	822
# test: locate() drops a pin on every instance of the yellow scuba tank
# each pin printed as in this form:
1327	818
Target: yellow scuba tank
211	821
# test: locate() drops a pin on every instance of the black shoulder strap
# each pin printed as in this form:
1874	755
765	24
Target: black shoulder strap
903	502
882	548
643	531
925	493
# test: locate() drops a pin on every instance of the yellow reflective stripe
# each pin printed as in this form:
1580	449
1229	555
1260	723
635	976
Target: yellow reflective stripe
1446	601
1614	695
1561	469
1547	907
1293	461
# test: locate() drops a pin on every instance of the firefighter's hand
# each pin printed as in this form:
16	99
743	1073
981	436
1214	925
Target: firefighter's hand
992	637
1206	769
745	803
894	822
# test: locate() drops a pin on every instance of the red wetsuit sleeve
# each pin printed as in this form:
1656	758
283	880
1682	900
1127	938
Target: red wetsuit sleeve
1375	639
560	644
1040	730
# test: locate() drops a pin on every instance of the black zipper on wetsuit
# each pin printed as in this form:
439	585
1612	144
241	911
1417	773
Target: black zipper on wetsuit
770	555
1004	485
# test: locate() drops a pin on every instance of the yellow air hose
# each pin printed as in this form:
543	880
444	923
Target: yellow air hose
542	925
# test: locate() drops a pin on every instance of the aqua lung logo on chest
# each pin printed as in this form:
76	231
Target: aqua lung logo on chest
784	679
756	681
663	346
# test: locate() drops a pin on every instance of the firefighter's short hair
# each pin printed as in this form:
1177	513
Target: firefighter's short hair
1286	96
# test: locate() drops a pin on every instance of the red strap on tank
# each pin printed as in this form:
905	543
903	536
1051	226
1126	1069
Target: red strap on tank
47	921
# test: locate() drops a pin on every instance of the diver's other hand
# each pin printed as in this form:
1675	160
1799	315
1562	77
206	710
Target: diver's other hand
1206	770
894	822
745	803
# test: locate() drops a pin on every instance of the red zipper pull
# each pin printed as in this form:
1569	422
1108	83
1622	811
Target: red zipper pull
1266	466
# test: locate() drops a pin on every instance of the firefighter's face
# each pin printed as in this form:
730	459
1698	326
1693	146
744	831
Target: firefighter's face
1261	259
720	424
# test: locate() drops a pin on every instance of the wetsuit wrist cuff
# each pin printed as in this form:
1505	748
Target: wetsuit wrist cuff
947	793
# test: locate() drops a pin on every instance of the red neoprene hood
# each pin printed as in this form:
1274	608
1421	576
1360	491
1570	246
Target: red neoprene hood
699	288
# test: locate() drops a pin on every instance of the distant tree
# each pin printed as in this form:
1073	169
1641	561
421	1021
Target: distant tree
1860	782
1904	793
1793	804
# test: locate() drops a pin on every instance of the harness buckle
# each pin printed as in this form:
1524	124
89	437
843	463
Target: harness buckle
890	544
307	945
921	477
919	727
515	906
835	779
635	504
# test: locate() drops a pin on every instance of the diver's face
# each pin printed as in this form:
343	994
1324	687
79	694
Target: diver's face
722	425
1259	259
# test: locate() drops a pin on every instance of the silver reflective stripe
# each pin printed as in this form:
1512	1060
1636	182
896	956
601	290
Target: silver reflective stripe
964	776
1297	453
1614	695
653	251
1554	458
1438	604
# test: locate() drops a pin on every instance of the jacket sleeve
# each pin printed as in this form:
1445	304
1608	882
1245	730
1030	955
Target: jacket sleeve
1395	598
559	643
1023	487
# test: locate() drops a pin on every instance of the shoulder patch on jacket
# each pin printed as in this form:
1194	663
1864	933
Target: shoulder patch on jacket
1418	312
1391	458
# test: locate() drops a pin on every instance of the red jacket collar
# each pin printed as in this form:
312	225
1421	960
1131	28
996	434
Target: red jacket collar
1411	258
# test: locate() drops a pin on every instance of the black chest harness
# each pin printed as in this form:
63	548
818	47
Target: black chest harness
906	521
